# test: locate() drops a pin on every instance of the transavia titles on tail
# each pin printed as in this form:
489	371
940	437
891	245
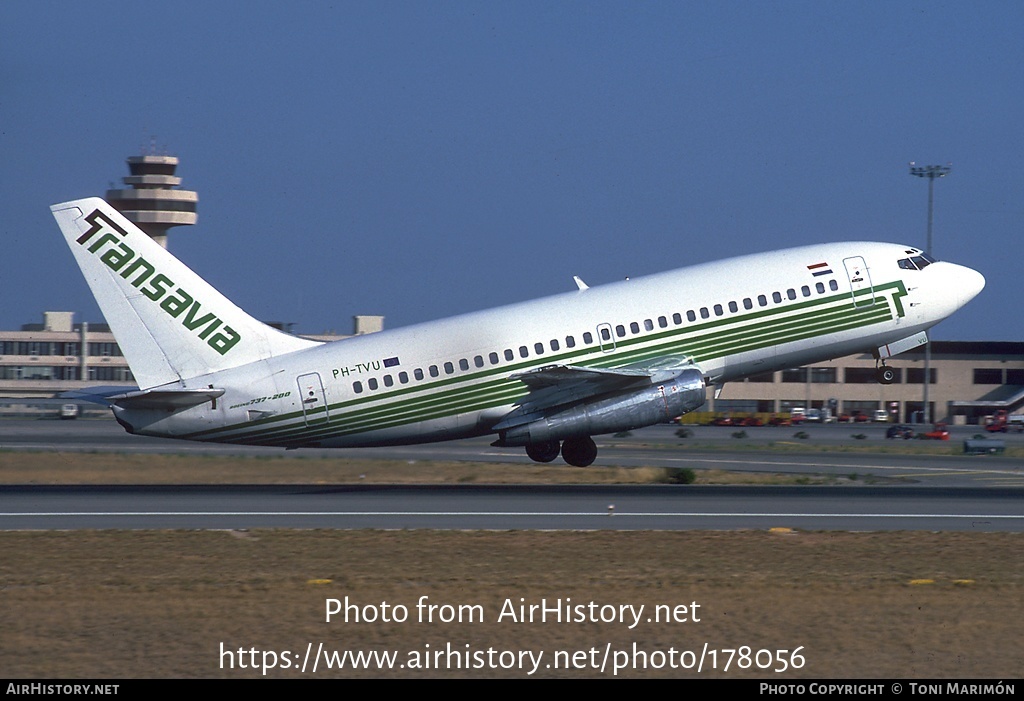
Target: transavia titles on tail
546	375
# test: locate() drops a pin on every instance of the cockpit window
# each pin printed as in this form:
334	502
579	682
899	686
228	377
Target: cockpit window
919	262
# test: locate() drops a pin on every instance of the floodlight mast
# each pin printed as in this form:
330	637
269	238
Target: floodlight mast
930	172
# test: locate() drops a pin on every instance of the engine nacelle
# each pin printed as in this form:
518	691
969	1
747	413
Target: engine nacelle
620	412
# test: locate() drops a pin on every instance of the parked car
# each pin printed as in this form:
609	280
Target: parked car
899	431
939	432
68	411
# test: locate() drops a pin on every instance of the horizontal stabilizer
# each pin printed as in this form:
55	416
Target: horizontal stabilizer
96	395
168	399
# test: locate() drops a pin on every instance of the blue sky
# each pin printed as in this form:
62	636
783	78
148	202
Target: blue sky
422	159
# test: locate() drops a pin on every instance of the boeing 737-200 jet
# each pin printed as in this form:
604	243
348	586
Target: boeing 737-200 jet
546	375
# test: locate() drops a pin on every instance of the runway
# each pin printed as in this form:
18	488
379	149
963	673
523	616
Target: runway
911	492
513	508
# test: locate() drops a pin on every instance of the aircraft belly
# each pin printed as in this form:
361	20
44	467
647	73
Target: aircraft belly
431	431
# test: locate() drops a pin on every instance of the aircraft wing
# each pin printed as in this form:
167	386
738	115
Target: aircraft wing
555	386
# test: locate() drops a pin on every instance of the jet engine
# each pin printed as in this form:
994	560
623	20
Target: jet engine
615	412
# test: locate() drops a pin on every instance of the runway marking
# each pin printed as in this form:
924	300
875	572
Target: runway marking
525	514
950	472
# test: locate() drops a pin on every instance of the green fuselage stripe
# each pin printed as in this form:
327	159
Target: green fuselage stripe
492	388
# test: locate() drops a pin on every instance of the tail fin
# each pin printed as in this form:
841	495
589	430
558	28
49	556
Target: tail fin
170	323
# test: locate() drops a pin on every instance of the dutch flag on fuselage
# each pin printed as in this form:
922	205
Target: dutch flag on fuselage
819	269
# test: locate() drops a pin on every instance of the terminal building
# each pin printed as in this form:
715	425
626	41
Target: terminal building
969	380
45	359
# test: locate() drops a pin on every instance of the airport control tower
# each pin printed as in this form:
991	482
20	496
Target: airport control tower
153	203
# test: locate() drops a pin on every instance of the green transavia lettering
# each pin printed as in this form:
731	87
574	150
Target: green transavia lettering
142	275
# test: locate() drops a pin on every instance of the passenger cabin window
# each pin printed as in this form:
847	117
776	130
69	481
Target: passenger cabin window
539	348
389	381
493	357
463	364
357	387
634	327
748	303
418	373
372	383
448	367
777	297
524	352
733	307
478	361
718	310
762	300
820	287
570	342
509	355
691	315
677	319
588	337
704	313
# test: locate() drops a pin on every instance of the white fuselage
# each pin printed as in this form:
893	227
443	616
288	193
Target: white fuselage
453	378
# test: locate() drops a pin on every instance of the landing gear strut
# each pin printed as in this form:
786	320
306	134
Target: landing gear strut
543	452
579	452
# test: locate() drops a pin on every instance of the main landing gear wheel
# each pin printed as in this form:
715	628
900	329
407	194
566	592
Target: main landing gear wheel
543	452
579	452
885	375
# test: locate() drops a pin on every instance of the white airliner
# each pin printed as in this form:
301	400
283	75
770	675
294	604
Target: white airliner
546	375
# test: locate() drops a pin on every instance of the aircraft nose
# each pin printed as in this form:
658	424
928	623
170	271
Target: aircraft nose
969	283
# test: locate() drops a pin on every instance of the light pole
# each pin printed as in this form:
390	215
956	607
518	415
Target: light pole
930	172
